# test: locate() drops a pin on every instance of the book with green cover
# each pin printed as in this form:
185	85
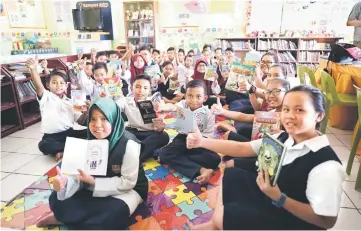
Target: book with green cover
271	156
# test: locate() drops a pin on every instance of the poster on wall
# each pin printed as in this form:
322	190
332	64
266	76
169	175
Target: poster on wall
25	14
62	10
106	9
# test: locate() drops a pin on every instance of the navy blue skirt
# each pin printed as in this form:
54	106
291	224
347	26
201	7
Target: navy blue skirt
82	211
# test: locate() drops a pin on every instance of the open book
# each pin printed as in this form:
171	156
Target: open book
187	119
265	122
90	156
270	156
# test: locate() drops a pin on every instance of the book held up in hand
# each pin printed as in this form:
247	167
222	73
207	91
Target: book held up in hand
147	111
187	119
240	73
78	98
211	73
90	156
113	86
270	157
265	122
152	72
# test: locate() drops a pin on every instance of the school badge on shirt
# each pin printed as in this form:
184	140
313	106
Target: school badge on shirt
116	168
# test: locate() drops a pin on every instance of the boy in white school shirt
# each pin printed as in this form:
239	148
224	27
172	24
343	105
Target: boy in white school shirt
152	135
59	119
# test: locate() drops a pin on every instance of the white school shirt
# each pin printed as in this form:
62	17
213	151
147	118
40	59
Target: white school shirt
324	183
120	187
57	114
131	110
206	125
86	83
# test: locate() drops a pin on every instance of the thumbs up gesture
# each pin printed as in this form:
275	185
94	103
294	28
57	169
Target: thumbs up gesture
86	178
194	139
60	180
217	109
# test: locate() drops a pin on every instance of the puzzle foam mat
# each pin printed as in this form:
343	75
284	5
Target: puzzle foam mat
173	199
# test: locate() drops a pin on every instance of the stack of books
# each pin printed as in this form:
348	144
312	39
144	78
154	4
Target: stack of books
276	44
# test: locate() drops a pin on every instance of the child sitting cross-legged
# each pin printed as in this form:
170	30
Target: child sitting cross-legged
198	162
152	135
59	119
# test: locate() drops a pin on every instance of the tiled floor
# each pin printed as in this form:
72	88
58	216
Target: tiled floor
22	164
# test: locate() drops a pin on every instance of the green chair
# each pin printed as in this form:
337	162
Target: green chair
333	98
302	70
355	144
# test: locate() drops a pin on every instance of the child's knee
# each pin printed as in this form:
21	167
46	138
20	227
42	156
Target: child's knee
230	164
226	135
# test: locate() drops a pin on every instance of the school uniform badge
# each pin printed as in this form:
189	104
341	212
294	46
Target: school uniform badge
116	168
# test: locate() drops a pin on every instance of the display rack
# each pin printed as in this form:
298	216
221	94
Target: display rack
139	27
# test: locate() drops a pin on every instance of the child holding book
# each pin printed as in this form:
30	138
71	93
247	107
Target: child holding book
303	197
152	134
85	77
213	88
196	163
59	119
185	72
275	92
101	202
169	85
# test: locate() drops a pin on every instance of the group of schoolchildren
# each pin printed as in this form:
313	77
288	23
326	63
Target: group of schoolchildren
303	198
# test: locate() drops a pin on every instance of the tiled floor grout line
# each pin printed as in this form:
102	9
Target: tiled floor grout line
350	200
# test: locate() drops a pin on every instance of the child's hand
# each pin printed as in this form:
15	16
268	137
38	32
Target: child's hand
195	139
161	79
81	64
156	106
180	112
85	177
159	124
263	182
60	180
217	109
244	86
44	64
93	51
258	71
215	82
80	55
32	63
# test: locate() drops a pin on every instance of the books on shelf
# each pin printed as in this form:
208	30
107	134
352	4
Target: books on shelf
25	89
91	156
270	157
311	56
314	45
241	45
291	68
276	44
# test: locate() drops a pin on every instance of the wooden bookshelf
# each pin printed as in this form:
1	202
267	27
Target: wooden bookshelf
134	28
10	115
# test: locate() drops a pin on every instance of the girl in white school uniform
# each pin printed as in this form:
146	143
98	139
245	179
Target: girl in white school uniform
309	187
86	202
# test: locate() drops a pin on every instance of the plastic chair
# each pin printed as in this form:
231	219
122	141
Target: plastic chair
302	70
333	98
355	144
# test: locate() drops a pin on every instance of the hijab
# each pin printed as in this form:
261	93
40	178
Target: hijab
135	71
112	113
197	75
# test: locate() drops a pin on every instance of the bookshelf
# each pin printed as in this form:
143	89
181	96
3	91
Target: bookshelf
292	50
139	23
10	116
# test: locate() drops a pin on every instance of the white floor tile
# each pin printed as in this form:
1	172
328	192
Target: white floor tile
348	219
346	202
346	140
31	148
4	174
354	170
337	131
38	166
28	133
12	144
333	140
328	131
3	154
342	152
355	196
14	161
14	184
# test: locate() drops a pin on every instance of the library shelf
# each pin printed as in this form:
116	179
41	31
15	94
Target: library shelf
27	99
31	118
7	105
